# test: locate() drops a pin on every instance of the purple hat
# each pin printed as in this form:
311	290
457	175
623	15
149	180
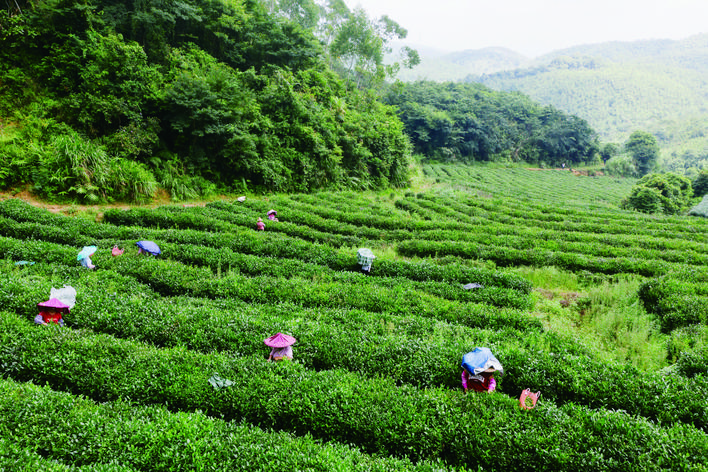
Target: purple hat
272	211
54	303
279	340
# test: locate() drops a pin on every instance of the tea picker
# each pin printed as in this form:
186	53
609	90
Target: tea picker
364	257
84	256
478	368
281	345
148	247
50	312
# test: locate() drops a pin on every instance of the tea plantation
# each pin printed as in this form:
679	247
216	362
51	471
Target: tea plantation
161	365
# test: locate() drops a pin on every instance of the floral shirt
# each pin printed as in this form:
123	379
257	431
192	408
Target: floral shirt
479	383
286	351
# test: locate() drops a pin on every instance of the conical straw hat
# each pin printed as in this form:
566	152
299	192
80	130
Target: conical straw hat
279	340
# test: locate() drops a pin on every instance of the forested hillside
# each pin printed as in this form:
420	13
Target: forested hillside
113	99
470	122
104	101
659	86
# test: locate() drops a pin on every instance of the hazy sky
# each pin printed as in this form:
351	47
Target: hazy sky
534	27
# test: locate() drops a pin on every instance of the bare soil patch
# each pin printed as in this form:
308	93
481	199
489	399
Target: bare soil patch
72	209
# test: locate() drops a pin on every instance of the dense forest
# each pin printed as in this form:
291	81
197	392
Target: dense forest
619	87
470	122
103	100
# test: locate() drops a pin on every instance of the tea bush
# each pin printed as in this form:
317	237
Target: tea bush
373	414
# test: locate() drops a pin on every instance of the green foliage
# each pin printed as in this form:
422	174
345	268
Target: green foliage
660	193
469	122
700	184
608	151
113	83
645	199
134	437
678	299
72	167
621	166
229	95
131	181
644	149
688	347
13	165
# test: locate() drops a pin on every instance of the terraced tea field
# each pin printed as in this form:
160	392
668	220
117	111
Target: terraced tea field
162	366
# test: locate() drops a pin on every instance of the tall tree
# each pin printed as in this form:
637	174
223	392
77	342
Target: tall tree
357	45
644	149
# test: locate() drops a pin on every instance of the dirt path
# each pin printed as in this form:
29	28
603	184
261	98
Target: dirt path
69	209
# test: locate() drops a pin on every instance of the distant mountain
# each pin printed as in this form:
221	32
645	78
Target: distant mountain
444	66
660	86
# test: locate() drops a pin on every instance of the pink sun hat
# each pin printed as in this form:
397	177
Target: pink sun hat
55	304
279	340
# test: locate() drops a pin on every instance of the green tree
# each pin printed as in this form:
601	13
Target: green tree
608	151
566	139
644	199
644	149
358	47
700	184
667	193
306	13
621	166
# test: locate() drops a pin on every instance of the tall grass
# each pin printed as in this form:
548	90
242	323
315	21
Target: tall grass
605	315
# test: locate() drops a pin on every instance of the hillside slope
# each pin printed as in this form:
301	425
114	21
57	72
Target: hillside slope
660	86
161	364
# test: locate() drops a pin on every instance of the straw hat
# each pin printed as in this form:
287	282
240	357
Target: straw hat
54	304
279	340
87	251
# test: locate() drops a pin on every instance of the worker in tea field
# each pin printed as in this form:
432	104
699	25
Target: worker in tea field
272	215
50	312
84	256
478	368
260	226
364	257
148	247
281	345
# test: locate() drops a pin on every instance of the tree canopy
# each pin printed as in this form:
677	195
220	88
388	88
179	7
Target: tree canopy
660	193
194	91
644	149
470	122
196	96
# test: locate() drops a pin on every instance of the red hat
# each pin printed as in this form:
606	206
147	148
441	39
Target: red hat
279	340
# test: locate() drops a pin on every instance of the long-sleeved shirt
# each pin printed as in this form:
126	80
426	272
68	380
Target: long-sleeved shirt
49	317
286	351
486	384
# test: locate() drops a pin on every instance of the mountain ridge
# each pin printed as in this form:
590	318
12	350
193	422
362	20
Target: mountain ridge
660	86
